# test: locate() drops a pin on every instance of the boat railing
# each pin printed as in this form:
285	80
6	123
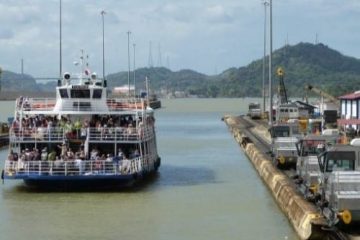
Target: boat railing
43	134
120	134
116	104
35	104
48	104
74	167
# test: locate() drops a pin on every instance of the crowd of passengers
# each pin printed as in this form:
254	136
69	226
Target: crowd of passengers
38	126
65	154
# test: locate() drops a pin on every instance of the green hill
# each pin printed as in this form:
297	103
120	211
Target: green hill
17	82
303	63
162	78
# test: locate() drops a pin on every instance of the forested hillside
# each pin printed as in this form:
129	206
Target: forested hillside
303	63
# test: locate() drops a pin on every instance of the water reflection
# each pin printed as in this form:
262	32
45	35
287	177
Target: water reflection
172	175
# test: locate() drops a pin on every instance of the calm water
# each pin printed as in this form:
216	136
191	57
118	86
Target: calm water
206	189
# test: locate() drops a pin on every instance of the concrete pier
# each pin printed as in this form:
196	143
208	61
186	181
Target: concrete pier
303	215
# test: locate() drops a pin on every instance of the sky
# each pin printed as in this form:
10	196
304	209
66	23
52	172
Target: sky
207	36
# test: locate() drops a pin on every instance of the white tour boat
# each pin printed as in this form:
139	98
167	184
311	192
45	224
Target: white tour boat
81	138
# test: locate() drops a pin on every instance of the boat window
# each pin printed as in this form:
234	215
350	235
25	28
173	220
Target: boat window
63	93
84	106
97	93
343	161
80	93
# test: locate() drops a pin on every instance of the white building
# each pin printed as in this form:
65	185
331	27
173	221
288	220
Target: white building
350	110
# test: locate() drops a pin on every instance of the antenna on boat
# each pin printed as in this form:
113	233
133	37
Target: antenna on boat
103	45
82	65
60	43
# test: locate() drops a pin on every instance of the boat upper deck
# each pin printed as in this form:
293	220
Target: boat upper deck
80	106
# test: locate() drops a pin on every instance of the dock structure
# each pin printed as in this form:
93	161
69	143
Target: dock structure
254	139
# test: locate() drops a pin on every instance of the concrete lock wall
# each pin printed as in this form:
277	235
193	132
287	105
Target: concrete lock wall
300	213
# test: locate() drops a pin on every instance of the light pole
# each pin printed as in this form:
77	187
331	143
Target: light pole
103	43
264	59
60	42
128	33
134	45
270	70
0	77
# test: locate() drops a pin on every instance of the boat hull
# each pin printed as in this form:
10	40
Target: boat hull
82	182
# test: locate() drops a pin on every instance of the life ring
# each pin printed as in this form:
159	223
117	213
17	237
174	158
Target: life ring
345	216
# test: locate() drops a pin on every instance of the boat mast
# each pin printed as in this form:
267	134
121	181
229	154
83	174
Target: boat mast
82	66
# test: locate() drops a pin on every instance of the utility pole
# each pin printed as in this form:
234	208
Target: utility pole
264	59
22	74
103	43
159	57
134	45
22	67
270	71
150	56
128	33
60	42
0	77
167	62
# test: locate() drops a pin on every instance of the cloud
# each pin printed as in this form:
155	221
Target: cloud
195	34
19	14
6	34
218	14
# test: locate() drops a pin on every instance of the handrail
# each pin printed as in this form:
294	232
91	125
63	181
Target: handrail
35	104
48	104
77	167
95	134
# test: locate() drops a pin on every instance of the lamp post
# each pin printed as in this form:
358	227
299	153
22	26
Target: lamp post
103	42
134	45
128	33
0	77
60	42
264	58
270	70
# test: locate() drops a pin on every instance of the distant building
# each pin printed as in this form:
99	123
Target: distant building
305	110
350	110
294	110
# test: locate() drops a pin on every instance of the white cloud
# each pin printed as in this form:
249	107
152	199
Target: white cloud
6	34
217	14
195	34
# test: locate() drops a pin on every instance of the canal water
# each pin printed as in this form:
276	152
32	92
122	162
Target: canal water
206	189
